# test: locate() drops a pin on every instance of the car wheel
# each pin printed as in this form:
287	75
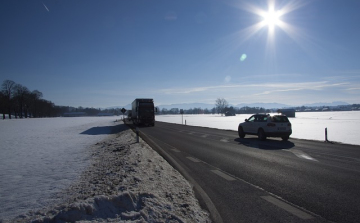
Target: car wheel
285	138
261	134
241	132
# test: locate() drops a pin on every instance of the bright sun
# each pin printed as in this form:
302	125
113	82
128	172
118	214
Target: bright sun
271	18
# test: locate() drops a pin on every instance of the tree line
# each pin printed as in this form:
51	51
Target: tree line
18	101
221	107
231	109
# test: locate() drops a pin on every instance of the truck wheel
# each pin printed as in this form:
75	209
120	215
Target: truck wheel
285	138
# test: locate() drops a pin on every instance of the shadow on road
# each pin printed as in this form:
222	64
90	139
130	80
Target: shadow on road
105	130
268	144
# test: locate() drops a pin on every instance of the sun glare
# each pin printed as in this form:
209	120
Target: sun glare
271	18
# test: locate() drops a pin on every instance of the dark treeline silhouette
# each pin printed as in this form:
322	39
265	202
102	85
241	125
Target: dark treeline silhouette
231	109
91	111
18	101
165	111
221	107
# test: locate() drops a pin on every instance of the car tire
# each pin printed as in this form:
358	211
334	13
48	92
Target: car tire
241	132
261	134
285	138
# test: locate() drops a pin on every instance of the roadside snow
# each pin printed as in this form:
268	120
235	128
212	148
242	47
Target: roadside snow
126	182
87	169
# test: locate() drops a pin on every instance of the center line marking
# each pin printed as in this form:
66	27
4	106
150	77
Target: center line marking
204	136
175	150
193	159
302	155
223	175
287	207
224	140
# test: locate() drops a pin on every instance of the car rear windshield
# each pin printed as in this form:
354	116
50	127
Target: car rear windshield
279	119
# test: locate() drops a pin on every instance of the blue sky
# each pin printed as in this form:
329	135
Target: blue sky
107	53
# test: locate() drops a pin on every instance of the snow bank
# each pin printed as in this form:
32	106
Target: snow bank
125	182
39	157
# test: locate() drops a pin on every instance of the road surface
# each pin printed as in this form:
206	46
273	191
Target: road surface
247	180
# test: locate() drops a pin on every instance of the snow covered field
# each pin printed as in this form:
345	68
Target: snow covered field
87	169
38	157
342	126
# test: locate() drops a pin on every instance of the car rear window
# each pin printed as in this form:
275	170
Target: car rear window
279	119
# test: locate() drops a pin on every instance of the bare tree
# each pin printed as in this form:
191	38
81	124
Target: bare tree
33	102
7	88
2	104
220	105
21	96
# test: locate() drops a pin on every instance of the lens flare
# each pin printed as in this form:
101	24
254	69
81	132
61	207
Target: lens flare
243	57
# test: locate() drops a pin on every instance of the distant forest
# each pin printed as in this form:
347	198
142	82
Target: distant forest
17	101
215	110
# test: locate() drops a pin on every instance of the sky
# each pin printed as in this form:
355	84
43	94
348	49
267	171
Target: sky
107	53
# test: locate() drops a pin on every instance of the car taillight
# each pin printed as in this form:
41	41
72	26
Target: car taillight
271	124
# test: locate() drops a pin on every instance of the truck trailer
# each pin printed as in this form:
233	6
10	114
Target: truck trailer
143	111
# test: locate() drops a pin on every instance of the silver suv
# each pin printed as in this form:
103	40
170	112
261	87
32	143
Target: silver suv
266	125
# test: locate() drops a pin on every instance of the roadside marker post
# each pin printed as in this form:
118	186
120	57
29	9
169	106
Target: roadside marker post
182	116
326	135
137	134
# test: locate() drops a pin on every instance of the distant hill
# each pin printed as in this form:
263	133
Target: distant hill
335	103
187	106
264	105
127	107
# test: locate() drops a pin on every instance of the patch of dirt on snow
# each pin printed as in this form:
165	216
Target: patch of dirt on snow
126	182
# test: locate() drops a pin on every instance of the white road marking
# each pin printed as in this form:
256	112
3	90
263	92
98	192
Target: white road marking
190	133
287	207
301	154
223	175
346	157
224	140
175	150
194	159
204	136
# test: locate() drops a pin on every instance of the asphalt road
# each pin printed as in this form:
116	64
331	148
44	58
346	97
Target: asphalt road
247	180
